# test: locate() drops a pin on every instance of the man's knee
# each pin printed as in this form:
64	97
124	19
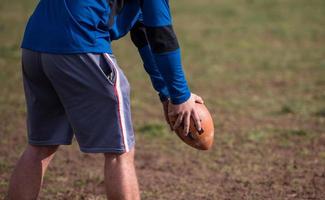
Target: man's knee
42	152
120	157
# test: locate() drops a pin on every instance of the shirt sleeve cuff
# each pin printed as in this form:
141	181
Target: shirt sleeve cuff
163	97
181	99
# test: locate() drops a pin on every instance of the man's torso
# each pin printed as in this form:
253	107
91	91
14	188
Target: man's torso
69	26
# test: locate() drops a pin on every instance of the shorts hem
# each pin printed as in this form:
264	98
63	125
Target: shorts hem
105	150
40	143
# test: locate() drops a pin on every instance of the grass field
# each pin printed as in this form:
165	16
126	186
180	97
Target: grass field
260	67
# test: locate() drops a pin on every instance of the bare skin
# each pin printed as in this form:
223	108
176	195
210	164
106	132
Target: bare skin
27	178
120	178
183	113
165	108
26	181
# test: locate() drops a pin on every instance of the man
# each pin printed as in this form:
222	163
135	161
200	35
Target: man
74	87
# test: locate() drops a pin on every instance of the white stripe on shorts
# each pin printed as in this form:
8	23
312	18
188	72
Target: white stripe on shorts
120	102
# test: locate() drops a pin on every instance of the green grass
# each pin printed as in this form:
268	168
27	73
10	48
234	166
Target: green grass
256	135
153	129
258	64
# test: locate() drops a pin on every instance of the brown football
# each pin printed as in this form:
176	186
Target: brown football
203	139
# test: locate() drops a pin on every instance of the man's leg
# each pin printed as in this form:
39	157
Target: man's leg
26	180
120	177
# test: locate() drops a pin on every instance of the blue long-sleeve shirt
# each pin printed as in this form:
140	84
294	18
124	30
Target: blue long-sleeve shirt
82	26
153	34
151	68
69	26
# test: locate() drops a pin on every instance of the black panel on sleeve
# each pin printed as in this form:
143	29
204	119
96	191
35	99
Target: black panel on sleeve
138	35
140	3
162	39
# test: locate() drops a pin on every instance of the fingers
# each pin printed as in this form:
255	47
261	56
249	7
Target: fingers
168	121
197	120
178	121
186	121
165	106
180	115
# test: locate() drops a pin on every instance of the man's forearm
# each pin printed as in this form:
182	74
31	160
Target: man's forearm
139	38
165	49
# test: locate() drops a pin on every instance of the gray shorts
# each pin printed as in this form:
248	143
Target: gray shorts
86	95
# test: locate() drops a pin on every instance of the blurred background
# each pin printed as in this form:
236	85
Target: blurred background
260	67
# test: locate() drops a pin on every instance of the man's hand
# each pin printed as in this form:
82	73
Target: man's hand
183	113
165	107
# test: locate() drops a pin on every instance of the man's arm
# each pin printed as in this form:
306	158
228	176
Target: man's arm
164	45
166	52
166	56
131	18
139	38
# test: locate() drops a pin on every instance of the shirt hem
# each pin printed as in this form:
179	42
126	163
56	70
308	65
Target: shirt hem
65	51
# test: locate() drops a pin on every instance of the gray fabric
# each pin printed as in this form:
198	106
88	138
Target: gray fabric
77	92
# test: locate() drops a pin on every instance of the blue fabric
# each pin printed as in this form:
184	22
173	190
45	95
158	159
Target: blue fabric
170	67
125	20
155	76
81	26
171	81
156	13
69	26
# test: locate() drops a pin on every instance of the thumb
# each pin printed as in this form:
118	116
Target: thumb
198	99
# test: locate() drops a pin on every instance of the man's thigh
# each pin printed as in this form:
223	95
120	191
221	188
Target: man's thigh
95	95
47	123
